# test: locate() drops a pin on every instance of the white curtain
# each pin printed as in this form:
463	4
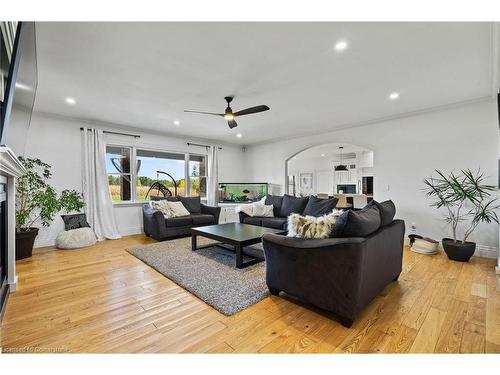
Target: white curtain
99	208
213	176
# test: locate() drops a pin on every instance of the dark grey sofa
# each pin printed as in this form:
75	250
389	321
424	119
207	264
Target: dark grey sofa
285	205
159	228
341	275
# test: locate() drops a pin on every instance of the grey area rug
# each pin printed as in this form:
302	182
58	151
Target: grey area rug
208	273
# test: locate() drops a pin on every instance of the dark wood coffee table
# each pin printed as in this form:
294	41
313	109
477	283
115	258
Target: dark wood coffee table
236	235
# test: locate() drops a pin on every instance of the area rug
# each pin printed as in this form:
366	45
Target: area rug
208	273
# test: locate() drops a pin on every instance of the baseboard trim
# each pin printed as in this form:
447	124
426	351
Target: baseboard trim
131	230
481	250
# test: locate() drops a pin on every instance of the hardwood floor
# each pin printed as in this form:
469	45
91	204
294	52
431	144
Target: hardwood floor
102	299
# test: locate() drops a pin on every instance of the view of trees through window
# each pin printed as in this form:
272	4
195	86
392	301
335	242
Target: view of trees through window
153	167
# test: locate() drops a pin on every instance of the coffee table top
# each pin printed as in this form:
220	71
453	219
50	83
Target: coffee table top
235	231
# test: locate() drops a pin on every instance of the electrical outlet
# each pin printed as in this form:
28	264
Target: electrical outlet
413	227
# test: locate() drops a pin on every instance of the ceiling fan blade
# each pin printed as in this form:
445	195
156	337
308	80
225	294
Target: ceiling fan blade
232	124
206	113
256	109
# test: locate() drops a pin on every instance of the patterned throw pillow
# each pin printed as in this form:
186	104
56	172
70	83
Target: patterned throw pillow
75	221
163	207
178	209
310	227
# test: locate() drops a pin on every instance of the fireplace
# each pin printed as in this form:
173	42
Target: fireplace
4	286
10	169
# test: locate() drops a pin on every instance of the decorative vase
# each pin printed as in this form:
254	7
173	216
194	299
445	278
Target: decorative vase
458	251
24	243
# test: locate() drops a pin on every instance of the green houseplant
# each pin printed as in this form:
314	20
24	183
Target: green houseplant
467	200
38	201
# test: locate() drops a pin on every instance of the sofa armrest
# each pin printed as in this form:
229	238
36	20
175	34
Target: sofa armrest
326	273
242	216
211	210
154	222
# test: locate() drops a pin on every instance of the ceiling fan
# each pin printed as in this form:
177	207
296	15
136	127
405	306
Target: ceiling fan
229	115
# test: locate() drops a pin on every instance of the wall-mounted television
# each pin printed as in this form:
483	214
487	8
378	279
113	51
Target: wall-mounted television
19	81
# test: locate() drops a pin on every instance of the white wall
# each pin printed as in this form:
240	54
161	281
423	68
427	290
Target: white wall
406	151
57	141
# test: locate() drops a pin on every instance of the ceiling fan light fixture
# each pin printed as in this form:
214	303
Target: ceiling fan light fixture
229	116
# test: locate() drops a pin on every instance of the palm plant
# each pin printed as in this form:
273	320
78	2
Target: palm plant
466	198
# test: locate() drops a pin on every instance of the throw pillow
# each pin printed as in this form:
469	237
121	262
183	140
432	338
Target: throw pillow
163	207
177	209
75	221
256	209
359	223
276	201
262	210
293	205
192	204
318	207
387	211
310	227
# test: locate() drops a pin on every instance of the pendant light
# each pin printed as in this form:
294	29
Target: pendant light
341	167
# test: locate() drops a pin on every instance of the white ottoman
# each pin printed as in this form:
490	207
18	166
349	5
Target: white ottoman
76	238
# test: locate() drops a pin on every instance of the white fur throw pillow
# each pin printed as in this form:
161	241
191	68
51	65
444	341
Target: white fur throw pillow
310	227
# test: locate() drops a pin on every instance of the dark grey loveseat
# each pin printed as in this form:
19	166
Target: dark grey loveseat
341	275
160	228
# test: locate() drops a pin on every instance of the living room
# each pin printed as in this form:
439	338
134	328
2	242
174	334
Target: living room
185	197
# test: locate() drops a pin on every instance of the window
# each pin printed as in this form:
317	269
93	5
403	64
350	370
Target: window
127	184
197	176
118	160
151	164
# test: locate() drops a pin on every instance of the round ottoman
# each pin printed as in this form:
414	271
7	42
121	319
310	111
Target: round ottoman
76	238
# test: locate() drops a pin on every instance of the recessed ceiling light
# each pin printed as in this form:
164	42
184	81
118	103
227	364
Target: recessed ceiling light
239	135
341	45
394	95
177	122
323	155
70	101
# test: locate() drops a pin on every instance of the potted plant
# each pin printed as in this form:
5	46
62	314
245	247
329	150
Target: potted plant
467	200
37	201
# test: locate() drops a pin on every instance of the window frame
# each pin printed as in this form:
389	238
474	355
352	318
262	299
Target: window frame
133	169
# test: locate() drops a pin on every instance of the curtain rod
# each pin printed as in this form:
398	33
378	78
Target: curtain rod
116	133
197	144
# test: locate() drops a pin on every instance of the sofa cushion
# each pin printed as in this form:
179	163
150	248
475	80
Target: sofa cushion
179	221
276	201
274	222
158	198
319	207
202	219
253	220
357	223
192	204
292	204
387	211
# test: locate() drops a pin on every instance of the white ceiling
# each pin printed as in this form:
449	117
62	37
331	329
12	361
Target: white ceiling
143	75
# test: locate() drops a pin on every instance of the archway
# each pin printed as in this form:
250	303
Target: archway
316	171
